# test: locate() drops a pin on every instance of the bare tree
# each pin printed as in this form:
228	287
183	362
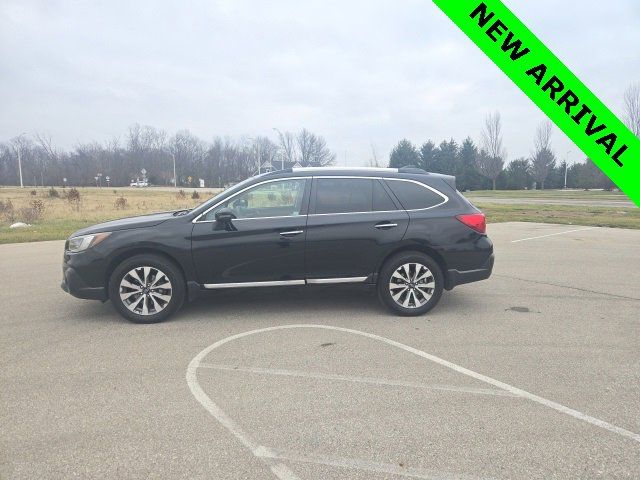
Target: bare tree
317	152
305	148
632	108
44	142
543	159
189	152
304	143
490	162
287	146
374	161
222	162
267	151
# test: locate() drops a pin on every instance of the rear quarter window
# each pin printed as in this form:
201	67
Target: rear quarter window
413	195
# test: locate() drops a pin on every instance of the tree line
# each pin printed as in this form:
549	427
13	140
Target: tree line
225	161
465	161
481	167
221	162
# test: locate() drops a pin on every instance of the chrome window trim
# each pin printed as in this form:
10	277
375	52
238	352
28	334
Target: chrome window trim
445	197
438	192
197	219
259	218
354	213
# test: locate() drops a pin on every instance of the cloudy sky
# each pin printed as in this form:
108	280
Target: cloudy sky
359	73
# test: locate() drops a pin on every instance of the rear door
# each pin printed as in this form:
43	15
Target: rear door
352	224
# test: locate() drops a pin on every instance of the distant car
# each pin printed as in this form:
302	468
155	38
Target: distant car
408	232
139	183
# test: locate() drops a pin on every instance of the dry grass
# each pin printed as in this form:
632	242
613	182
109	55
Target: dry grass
60	217
615	217
550	194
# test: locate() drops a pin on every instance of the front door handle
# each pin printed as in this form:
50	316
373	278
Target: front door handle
292	233
385	225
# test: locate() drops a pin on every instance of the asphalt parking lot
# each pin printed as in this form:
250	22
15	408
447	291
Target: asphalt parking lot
533	374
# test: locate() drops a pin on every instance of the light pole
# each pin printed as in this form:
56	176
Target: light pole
566	168
19	152
175	180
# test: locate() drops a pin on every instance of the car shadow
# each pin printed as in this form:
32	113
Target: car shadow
307	303
303	303
289	301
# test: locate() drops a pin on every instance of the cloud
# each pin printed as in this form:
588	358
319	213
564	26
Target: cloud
358	73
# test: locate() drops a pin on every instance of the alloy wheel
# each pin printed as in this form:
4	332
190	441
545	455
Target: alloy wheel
145	290
412	285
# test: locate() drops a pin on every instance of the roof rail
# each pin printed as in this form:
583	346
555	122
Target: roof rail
412	169
274	172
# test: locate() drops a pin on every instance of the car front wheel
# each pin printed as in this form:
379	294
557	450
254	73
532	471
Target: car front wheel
146	288
410	283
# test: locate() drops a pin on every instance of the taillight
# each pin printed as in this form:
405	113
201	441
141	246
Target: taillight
477	221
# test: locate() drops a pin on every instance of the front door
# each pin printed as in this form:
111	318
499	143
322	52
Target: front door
263	245
352	223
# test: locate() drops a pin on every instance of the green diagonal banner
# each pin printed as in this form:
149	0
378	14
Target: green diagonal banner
552	87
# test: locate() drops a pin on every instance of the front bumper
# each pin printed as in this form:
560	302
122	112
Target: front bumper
73	284
456	277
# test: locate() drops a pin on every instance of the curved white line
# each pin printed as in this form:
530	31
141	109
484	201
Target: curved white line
283	472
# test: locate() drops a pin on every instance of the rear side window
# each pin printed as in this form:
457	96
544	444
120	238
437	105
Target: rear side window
381	200
414	196
343	195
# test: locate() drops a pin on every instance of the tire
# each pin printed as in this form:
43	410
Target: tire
415	292
147	288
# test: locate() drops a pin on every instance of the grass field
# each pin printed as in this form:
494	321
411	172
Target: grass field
551	194
59	217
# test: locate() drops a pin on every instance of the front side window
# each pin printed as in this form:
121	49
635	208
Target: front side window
414	196
280	198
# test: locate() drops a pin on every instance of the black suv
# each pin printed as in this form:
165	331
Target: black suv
407	231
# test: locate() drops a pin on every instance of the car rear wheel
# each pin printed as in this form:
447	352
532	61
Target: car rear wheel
410	283
146	288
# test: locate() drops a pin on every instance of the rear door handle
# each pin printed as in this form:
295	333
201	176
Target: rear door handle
292	233
386	225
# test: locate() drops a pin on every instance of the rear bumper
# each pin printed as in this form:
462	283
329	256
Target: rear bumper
456	277
73	284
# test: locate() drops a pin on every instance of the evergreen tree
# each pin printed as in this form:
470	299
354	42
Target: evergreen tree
518	174
404	154
467	177
428	156
446	158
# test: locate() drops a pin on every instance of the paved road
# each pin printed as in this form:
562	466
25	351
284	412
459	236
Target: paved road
532	374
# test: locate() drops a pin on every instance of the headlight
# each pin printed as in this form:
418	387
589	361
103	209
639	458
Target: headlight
81	243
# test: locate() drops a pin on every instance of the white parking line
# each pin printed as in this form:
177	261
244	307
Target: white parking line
553	234
282	472
368	380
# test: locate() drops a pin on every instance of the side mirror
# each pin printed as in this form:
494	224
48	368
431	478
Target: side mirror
224	216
